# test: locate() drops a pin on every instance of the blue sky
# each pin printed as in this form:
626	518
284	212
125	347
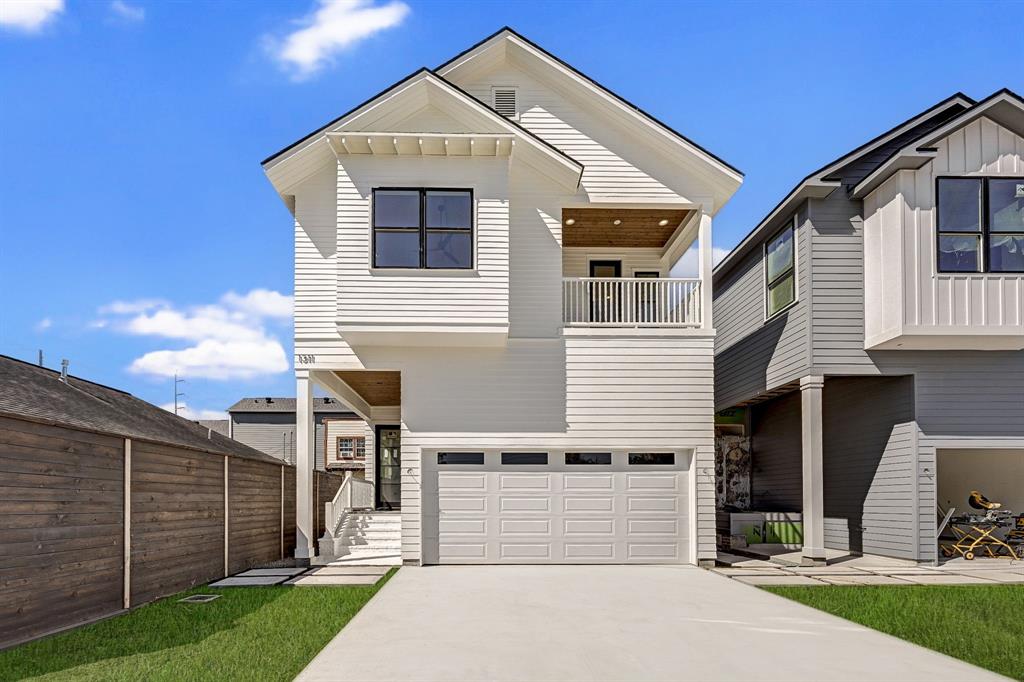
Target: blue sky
139	233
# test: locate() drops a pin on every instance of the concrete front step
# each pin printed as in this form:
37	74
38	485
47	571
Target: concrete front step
364	538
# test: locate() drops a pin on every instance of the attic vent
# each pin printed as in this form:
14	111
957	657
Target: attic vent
505	102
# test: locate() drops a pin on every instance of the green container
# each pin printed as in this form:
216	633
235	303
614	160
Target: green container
784	532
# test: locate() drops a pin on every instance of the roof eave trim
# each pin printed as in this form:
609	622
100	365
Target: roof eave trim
572	167
617	100
797	194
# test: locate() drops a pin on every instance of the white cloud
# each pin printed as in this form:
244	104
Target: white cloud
334	26
225	340
687	266
206	322
44	324
212	359
261	302
130	307
131	13
29	15
188	413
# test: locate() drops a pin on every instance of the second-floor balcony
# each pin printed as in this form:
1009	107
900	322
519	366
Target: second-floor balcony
626	302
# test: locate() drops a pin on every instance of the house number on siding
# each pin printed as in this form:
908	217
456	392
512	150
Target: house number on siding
303	359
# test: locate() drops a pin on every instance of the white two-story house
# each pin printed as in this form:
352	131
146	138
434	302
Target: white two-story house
484	263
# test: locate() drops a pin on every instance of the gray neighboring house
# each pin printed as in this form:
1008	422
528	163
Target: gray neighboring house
870	333
268	424
221	426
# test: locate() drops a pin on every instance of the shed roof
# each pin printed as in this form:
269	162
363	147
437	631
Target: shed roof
38	394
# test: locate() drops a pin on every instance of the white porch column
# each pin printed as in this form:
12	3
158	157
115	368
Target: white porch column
811	390
305	432
704	267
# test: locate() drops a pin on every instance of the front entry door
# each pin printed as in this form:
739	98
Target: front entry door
604	296
389	467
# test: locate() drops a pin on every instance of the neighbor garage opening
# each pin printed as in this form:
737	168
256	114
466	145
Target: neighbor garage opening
992	475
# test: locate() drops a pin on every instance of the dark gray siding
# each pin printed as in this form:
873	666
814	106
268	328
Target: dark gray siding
274	433
870	466
837	286
777	477
963	399
753	356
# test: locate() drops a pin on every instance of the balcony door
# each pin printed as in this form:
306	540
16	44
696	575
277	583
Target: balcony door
389	467
605	301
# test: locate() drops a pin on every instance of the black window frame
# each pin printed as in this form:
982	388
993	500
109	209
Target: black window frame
507	457
984	219
791	270
641	459
422	229
469	458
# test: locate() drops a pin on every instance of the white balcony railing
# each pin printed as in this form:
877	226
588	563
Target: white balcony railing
623	302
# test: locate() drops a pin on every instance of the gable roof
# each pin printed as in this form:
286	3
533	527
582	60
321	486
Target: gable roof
38	394
287	405
426	76
508	33
1005	107
828	178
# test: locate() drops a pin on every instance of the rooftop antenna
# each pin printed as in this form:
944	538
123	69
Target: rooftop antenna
64	370
40	357
177	393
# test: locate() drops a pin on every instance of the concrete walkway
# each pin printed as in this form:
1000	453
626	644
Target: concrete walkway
608	623
870	570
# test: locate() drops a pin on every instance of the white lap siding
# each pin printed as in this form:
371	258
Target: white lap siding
628	392
387	296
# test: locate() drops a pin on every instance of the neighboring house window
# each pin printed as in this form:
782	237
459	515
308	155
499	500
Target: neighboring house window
780	271
351	447
423	228
980	224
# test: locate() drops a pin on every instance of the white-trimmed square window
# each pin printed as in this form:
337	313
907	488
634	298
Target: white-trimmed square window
351	447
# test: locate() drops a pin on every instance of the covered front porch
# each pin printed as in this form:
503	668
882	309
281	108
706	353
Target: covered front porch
366	509
636	266
820	471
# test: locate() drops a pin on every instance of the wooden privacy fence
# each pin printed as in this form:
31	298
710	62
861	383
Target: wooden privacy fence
91	524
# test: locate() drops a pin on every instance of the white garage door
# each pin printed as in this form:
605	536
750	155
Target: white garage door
511	507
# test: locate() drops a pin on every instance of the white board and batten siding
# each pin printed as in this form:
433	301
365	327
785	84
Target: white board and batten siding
905	296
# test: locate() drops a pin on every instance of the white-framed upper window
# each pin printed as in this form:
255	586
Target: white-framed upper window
505	100
780	270
351	447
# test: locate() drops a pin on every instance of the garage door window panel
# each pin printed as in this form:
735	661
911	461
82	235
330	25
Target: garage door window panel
524	458
652	458
460	458
588	458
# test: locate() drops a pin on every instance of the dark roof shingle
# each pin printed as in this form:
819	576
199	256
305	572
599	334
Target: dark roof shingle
37	393
320	405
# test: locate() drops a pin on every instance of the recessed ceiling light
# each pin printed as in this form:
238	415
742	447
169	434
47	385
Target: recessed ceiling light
663	222
616	222
570	221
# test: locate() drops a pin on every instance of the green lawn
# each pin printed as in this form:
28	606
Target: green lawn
251	633
980	624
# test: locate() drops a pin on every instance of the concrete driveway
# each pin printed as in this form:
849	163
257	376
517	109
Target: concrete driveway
608	623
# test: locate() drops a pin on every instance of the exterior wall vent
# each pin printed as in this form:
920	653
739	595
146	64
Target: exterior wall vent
505	101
